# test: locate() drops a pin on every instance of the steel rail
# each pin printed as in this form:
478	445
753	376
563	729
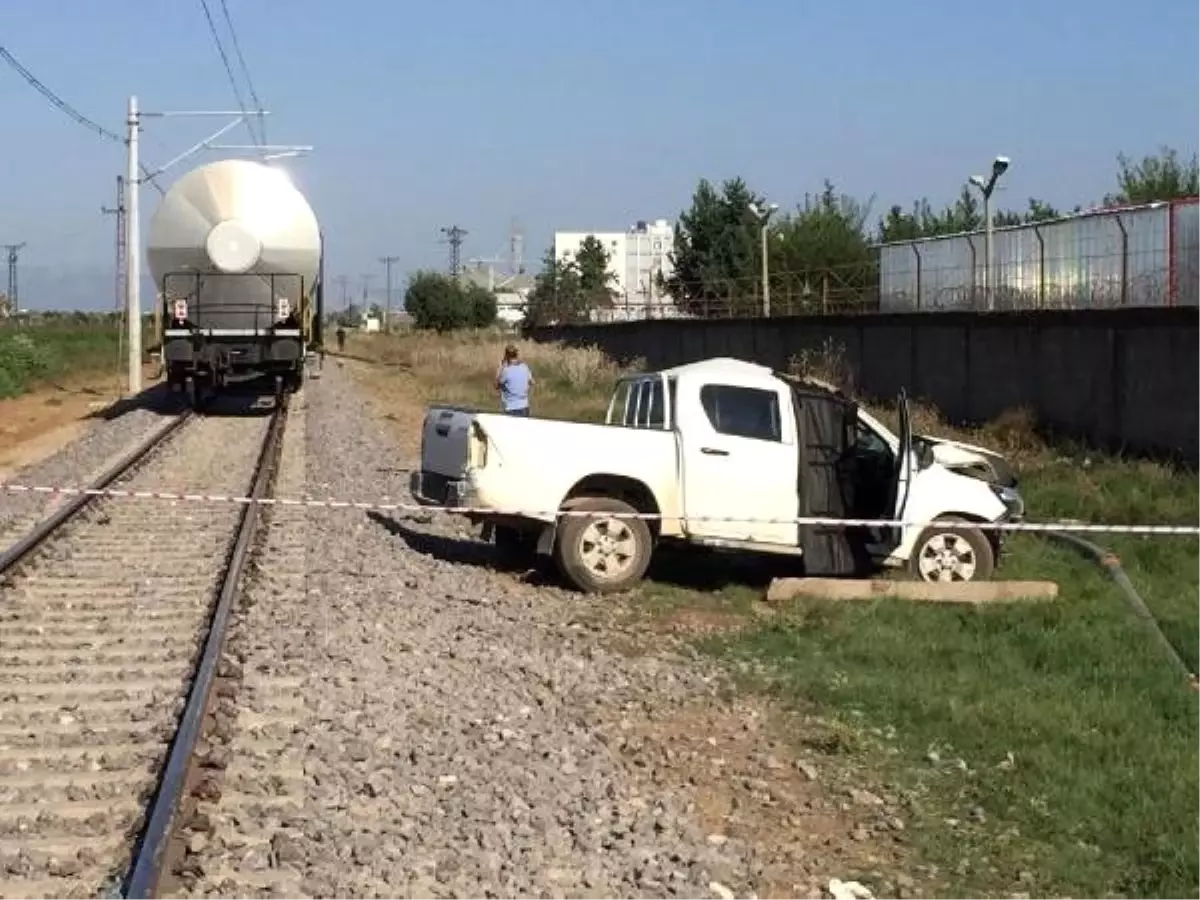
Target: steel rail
41	532
150	854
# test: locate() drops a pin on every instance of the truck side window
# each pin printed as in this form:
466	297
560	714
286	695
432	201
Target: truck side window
742	411
637	403
620	401
652	413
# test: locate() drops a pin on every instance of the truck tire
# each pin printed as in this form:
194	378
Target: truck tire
601	554
952	553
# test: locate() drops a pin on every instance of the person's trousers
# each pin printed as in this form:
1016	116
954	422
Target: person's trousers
523	411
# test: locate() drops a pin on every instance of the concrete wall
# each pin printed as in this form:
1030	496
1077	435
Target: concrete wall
1116	379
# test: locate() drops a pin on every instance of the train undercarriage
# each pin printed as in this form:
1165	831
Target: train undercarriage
200	364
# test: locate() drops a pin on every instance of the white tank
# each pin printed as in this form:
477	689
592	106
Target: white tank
238	242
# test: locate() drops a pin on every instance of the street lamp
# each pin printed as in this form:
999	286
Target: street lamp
999	167
764	216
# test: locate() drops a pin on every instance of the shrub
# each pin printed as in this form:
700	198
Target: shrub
440	303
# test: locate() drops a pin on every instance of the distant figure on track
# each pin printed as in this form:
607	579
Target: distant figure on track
514	380
341	338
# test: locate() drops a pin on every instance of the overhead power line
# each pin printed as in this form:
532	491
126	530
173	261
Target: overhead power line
59	101
237	48
237	93
71	111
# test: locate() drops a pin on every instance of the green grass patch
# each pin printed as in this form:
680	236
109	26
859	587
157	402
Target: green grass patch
40	353
1099	796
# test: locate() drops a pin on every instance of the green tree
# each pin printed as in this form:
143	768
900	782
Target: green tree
557	296
965	214
716	253
821	254
480	305
595	279
1158	177
441	303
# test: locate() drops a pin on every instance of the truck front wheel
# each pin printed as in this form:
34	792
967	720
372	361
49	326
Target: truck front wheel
957	553
605	552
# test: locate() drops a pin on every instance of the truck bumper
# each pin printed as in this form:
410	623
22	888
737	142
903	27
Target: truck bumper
432	489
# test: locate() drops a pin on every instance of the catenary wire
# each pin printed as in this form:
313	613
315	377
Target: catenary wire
71	111
237	49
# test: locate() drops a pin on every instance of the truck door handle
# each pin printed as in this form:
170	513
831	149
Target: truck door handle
713	451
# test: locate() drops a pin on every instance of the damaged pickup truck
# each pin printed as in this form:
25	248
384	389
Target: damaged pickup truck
725	454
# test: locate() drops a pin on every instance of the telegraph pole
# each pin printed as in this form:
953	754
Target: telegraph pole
343	282
387	312
119	269
454	237
10	253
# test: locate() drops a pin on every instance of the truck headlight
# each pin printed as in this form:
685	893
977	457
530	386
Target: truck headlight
1012	500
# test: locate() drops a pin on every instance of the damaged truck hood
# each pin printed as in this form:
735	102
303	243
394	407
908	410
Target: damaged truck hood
967	459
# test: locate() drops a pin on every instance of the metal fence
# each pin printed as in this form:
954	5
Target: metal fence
1135	256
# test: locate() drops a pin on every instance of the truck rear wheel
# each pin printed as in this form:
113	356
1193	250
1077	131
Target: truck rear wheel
603	553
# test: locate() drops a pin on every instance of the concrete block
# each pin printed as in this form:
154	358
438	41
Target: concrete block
782	589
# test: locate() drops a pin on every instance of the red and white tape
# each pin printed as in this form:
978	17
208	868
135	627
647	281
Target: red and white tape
385	506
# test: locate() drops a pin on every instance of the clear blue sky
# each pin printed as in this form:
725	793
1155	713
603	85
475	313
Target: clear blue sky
586	115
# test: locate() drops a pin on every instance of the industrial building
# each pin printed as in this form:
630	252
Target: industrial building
636	258
1129	256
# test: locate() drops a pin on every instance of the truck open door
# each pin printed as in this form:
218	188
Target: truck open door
905	469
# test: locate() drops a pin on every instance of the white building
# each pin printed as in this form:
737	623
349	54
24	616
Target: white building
635	258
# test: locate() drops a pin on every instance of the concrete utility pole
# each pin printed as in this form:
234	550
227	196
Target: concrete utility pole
133	261
999	167
10	254
387	310
764	217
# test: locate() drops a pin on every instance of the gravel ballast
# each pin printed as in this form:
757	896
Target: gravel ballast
401	720
102	443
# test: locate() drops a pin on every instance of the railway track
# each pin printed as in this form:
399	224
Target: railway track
112	617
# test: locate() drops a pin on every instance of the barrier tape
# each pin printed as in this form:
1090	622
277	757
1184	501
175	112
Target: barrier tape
1033	527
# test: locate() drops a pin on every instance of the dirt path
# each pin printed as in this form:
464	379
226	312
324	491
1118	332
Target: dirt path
38	424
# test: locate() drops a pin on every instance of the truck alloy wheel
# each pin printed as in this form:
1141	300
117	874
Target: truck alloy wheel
602	554
948	553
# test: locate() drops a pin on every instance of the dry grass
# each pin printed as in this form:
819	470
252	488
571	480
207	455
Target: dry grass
570	382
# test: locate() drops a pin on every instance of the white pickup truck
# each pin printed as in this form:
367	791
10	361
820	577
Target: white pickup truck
721	453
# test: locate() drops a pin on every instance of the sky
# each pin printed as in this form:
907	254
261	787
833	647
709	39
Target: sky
580	116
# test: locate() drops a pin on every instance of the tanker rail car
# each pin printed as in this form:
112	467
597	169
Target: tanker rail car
237	256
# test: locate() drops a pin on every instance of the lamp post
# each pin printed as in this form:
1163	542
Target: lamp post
986	186
764	217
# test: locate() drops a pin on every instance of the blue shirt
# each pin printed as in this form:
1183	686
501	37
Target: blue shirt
514	385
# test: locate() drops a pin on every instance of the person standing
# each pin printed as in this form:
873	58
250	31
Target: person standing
514	379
